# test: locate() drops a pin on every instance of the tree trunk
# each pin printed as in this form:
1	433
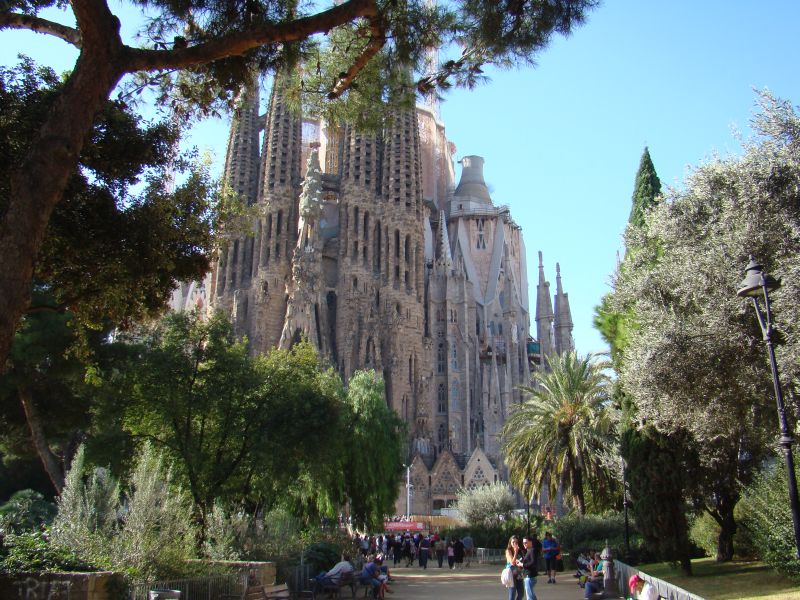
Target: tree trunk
577	484
52	465
38	184
727	529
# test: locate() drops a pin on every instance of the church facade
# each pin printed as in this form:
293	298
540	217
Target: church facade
366	246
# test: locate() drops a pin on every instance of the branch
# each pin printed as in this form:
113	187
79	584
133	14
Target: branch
377	40
50	461
239	42
10	20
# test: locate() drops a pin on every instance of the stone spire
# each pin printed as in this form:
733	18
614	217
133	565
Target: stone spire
544	313
360	159
241	160
402	173
444	258
563	319
280	167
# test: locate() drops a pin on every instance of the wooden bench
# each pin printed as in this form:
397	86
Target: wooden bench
335	588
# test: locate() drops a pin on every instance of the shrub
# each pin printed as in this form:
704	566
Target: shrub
486	505
578	534
26	510
322	556
767	521
492	536
32	552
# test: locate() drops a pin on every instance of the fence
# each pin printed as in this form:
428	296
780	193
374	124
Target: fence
198	588
490	556
299	578
664	589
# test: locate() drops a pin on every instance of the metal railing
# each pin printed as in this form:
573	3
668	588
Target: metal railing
197	588
665	590
490	556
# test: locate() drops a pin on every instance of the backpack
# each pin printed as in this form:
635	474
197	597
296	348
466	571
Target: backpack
507	577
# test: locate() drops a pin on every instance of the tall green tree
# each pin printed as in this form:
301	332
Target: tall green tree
375	436
238	428
695	361
646	190
558	435
205	51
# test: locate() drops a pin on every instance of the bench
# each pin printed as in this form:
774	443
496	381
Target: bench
335	588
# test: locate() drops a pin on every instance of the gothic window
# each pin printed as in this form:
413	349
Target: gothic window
408	249
355	284
440	314
454	357
440	358
410	371
481	243
453	315
499	329
477	326
442	435
454	398
355	220
279	223
491	327
366	226
397	244
269	227
441	396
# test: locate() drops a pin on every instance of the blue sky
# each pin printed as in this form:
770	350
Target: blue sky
562	141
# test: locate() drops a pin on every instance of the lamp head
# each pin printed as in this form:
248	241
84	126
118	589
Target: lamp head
752	285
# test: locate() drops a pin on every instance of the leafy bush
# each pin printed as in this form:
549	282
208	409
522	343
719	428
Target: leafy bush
495	535
322	555
767	521
703	532
486	505
151	536
26	510
32	552
578	534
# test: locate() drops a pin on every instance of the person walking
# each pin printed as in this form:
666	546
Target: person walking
514	562
550	549
469	549
530	561
458	552
440	548
424	551
451	555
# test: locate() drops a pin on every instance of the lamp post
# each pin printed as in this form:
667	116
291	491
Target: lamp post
625	511
758	284
527	483
408	491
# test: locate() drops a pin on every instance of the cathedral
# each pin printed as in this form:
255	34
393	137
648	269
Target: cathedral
366	246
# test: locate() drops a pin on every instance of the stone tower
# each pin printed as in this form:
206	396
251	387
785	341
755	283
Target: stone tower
378	258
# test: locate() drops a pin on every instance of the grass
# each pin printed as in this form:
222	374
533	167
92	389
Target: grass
735	580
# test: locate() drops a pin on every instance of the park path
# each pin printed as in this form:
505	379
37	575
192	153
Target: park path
476	582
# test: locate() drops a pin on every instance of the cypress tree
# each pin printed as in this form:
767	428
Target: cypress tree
646	189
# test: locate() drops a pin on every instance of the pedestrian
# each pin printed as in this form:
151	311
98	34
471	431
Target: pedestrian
440	548
641	589
530	561
458	552
451	555
514	562
469	549
550	549
424	551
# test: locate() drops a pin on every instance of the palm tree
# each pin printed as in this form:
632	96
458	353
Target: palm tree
558	435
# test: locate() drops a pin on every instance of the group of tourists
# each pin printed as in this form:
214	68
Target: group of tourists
522	564
417	548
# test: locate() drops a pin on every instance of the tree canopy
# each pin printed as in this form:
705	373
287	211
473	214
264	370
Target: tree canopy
204	52
558	435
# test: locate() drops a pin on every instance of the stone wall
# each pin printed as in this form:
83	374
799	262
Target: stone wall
60	586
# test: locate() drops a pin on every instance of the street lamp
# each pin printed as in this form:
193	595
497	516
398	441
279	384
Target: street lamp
527	483
408	491
625	511
758	284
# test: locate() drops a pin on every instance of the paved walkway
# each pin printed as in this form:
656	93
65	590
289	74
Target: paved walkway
477	582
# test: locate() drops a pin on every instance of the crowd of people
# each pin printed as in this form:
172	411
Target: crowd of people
409	548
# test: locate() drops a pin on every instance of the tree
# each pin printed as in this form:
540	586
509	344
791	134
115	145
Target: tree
238	428
214	47
646	190
375	436
487	505
658	469
695	361
559	433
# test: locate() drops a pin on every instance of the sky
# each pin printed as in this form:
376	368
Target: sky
562	141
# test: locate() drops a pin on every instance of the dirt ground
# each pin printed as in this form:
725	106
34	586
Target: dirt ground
476	582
